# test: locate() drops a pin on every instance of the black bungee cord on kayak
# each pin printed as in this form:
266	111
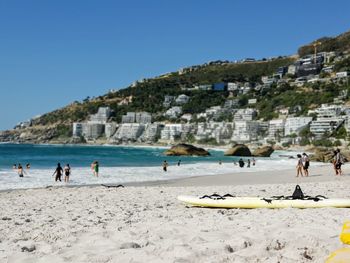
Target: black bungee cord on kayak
297	195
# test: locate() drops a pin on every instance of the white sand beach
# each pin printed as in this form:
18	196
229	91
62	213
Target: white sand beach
146	222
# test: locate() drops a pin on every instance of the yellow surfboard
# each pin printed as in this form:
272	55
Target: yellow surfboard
341	255
259	202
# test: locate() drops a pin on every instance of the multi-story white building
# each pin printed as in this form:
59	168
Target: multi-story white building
171	132
276	129
129	117
78	129
110	129
151	133
137	117
294	125
101	116
93	131
168	100
173	112
328	119
232	86
245	131
129	132
245	114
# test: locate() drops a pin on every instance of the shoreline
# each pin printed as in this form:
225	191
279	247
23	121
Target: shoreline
321	173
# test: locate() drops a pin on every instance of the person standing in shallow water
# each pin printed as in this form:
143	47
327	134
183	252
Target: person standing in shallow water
165	166
58	172
241	163
20	170
96	169
66	173
248	163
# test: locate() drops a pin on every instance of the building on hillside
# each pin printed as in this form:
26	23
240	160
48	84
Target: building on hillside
92	131
110	129
101	116
232	86
245	131
137	117
129	132
151	133
173	112
245	114
182	99
276	129
294	125
328	120
187	117
171	132
78	129
229	104
168	100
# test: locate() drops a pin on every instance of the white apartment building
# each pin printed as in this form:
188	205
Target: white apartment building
110	129
173	112
77	129
232	86
137	117
129	131
276	128
245	114
101	116
295	124
151	133
328	119
245	131
171	132
93	130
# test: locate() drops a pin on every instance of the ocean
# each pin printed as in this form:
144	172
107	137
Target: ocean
118	164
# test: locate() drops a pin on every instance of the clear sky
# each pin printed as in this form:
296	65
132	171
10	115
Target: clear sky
58	51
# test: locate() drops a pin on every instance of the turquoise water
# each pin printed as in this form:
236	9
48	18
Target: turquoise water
45	156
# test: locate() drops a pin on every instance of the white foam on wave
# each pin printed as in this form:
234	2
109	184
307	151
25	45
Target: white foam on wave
35	178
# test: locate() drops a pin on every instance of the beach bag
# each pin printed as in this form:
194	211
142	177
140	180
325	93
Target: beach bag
298	194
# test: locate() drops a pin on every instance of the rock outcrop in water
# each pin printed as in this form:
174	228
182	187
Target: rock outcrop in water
238	150
264	151
187	150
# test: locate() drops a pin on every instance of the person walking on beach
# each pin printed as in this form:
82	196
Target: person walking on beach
248	163
306	164
165	166
58	172
299	166
338	161
179	163
253	162
66	173
20	170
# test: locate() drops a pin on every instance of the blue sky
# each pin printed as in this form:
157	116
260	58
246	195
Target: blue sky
55	52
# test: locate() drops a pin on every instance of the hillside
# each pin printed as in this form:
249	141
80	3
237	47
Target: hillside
148	95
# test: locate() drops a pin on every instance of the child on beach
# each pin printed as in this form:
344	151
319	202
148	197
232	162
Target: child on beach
66	173
253	162
241	163
299	166
58	172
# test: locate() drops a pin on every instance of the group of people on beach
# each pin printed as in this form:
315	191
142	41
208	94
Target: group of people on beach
20	170
303	165
59	172
241	162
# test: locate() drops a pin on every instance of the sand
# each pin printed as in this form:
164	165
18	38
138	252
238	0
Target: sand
146	223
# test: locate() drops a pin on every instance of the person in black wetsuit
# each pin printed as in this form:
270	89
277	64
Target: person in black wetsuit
58	172
241	163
